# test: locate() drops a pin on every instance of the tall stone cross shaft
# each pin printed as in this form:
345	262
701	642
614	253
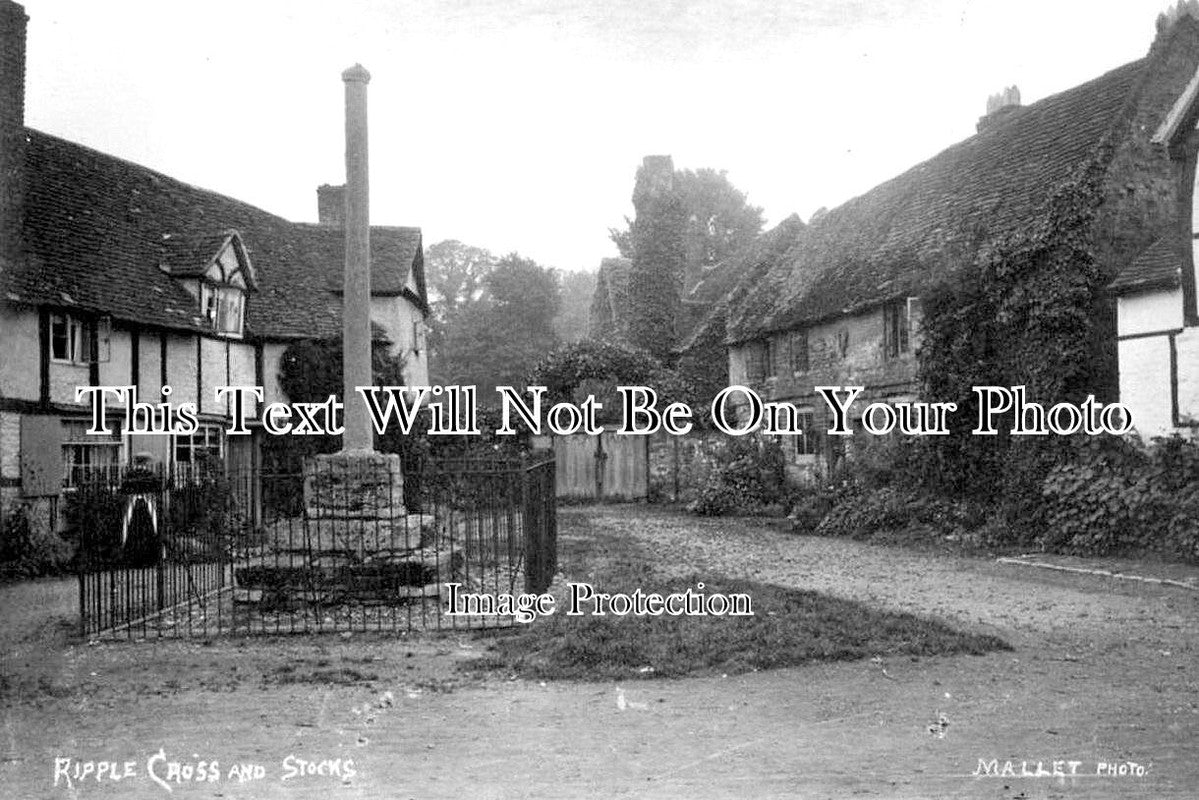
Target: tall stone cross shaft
356	297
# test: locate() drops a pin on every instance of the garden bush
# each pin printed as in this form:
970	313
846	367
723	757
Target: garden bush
1120	496
30	550
892	512
749	479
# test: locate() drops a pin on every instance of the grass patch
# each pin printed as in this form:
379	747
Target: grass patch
790	627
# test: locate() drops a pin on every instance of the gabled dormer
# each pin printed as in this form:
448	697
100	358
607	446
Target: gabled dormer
216	271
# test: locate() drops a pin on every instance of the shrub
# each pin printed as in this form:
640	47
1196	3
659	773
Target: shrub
1121	496
29	550
891	512
813	504
716	499
749	479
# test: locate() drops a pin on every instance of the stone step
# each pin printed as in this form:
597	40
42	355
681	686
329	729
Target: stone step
385	569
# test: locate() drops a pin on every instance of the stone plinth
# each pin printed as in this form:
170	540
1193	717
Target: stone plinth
357	544
362	485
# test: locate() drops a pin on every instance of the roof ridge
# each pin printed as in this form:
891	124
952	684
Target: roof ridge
930	219
155	173
326	227
1005	124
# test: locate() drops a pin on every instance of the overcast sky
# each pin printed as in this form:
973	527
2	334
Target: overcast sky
519	124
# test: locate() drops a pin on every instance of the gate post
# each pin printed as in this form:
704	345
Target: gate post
527	526
600	459
160	511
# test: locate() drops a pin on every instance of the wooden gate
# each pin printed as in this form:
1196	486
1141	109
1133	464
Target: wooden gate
604	467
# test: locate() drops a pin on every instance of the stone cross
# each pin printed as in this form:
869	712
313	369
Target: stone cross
356	297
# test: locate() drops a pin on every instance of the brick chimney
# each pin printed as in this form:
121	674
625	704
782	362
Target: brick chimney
12	130
331	205
998	107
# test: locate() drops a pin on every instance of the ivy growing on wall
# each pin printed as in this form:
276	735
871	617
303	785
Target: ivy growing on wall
1022	315
659	260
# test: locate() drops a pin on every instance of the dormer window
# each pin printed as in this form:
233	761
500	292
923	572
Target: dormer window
223	290
223	308
216	270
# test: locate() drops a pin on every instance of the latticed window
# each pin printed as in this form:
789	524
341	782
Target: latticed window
896	329
799	351
756	356
86	457
206	445
223	308
223	290
805	442
76	341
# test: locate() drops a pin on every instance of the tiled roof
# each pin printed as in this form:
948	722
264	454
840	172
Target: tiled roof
99	232
1160	265
725	285
718	280
900	235
185	255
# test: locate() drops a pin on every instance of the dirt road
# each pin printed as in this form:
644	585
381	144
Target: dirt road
1104	679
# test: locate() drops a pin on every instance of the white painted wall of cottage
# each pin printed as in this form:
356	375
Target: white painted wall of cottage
1145	384
116	370
1186	346
241	368
1148	312
214	365
181	368
397	316
64	378
1144	363
149	368
19	365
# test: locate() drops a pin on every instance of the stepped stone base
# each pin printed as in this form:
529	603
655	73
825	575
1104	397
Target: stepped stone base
354	485
387	577
358	537
358	544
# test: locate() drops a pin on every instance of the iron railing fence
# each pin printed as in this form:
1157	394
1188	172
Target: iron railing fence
195	552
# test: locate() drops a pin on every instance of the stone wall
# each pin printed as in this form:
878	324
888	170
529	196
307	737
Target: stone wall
847	351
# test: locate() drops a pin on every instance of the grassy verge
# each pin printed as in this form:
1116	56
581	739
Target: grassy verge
789	627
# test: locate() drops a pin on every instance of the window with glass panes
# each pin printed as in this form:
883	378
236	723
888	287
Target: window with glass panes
86	457
205	445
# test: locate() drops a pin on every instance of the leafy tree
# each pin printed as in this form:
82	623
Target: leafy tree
455	274
719	220
1177	11
577	290
309	371
623	238
508	330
